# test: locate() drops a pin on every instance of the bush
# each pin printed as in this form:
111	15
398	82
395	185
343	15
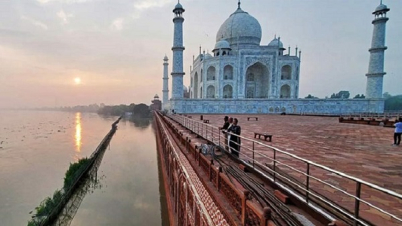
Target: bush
74	171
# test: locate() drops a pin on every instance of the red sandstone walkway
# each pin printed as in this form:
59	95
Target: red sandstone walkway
361	151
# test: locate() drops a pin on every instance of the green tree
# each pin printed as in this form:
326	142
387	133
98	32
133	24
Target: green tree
358	96
310	97
142	110
393	103
341	95
386	95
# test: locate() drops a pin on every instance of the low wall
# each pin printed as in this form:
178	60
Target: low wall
275	106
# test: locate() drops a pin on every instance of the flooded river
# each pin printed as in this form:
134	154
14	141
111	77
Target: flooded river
36	149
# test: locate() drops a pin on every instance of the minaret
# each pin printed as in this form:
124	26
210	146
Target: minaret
165	90
376	66
178	48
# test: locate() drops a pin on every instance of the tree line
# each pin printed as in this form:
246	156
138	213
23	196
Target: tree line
392	103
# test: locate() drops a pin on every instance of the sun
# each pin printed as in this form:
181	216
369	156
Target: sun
77	81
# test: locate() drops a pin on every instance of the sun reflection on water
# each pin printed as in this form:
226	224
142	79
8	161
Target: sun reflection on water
78	135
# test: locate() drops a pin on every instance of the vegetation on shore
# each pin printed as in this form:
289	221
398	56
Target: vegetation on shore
50	203
137	110
393	103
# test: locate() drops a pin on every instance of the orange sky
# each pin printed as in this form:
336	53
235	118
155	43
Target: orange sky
116	47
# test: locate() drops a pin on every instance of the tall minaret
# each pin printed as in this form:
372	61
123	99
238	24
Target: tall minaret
178	48
165	90
376	66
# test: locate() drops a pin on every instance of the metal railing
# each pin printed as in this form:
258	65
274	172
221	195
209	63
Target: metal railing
282	167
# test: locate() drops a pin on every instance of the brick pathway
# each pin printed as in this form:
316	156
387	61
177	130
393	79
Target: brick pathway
360	151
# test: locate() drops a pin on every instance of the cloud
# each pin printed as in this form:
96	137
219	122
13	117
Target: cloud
35	22
64	17
117	24
63	1
148	4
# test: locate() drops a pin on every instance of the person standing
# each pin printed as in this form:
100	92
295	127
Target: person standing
228	134
224	128
398	132
234	141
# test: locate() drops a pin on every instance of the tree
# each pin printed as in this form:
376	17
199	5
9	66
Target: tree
310	97
341	95
393	103
386	95
358	96
142	110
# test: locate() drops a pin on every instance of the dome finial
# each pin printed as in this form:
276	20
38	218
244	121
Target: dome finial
239	3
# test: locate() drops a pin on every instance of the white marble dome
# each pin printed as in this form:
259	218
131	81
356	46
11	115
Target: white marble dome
381	7
276	43
241	28
222	44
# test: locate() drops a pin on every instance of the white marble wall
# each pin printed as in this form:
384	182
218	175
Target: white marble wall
275	106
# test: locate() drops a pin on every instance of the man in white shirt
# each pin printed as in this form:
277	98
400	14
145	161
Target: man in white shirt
398	132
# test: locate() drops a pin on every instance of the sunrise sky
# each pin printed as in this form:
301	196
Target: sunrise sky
76	52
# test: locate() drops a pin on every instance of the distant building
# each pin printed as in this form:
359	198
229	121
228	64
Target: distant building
156	104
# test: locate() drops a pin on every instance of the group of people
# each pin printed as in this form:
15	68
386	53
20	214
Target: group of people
232	131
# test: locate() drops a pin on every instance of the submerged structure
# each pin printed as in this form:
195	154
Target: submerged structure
244	76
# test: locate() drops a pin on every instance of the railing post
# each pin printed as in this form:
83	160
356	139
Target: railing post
274	165
357	203
308	182
219	137
244	206
253	154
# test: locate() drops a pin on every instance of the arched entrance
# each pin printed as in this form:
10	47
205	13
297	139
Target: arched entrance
195	87
211	91
257	81
285	91
227	91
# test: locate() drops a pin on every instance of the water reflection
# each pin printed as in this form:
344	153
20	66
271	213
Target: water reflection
78	130
139	122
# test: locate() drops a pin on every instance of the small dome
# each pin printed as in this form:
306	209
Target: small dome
156	96
207	56
165	58
381	7
241	28
178	7
222	44
276	42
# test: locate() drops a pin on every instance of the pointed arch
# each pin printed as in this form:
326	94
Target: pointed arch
286	73
228	72
211	91
211	73
195	87
227	91
285	91
257	81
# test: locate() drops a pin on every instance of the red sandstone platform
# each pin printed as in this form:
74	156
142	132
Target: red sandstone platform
361	151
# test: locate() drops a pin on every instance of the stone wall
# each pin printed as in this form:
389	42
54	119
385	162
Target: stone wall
276	106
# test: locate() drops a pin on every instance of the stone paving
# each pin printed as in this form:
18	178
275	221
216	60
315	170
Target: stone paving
361	151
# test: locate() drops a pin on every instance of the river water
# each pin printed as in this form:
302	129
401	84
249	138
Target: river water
37	147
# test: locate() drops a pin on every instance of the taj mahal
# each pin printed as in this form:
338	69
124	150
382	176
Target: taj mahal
243	76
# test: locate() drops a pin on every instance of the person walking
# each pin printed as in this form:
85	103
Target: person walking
398	132
234	141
